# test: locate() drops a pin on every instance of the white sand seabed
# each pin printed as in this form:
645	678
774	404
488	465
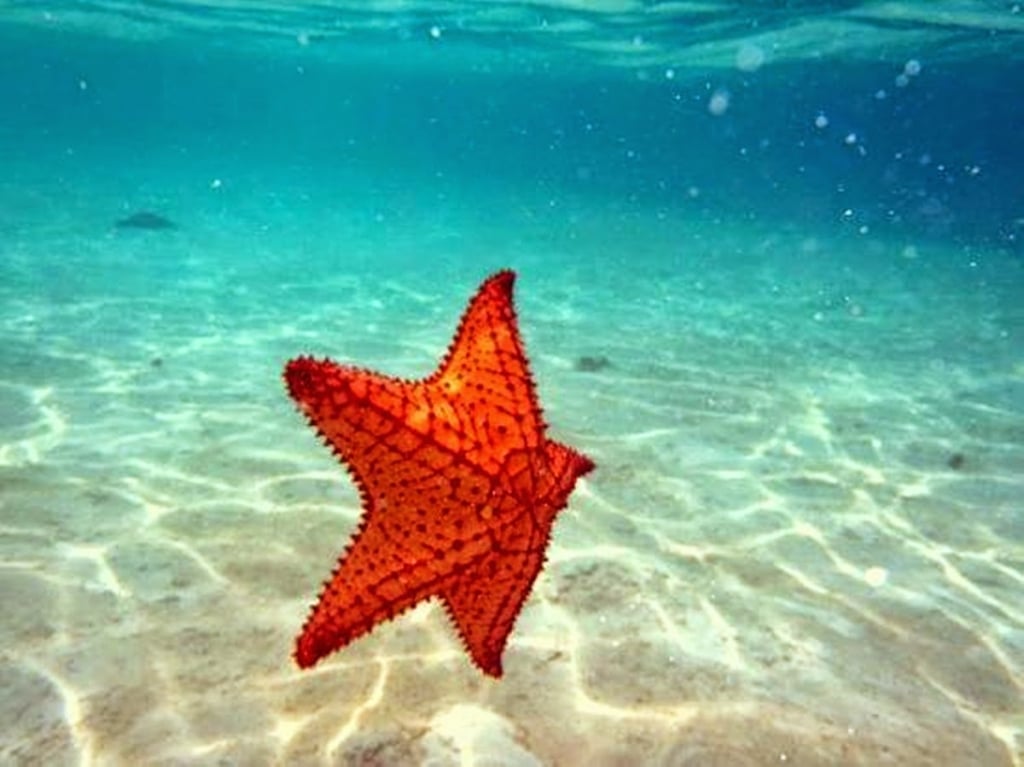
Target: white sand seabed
804	541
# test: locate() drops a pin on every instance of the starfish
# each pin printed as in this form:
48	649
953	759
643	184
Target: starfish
459	484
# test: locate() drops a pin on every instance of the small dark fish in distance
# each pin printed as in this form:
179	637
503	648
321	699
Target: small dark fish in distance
145	219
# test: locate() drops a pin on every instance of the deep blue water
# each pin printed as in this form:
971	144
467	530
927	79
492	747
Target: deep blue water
938	157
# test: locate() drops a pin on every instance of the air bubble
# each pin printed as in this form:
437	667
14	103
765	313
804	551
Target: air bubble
719	102
749	58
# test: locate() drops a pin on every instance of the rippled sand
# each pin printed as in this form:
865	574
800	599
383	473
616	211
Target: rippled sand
804	542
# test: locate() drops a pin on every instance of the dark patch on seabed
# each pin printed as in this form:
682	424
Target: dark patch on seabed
145	219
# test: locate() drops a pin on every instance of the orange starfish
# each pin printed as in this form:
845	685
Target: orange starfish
460	486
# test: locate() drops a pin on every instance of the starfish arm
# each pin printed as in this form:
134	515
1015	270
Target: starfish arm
383	573
364	418
362	593
485	598
485	374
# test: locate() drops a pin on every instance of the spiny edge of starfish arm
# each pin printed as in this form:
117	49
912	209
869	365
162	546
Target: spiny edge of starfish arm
306	660
494	671
320	651
503	281
365	503
357	480
583	464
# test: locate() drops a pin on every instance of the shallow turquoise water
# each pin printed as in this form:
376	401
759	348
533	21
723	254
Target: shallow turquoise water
789	240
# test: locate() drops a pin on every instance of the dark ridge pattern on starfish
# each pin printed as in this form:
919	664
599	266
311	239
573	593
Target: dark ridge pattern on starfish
459	485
